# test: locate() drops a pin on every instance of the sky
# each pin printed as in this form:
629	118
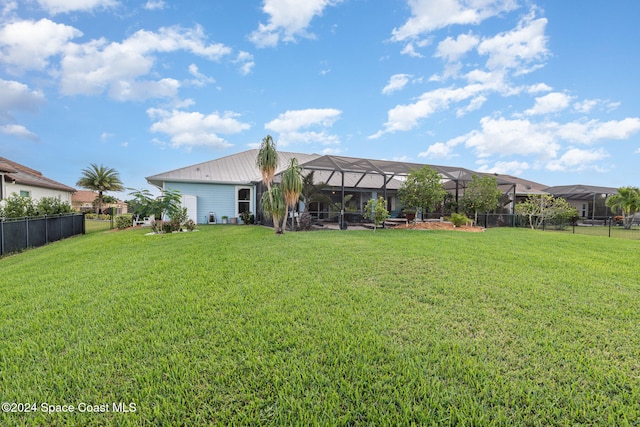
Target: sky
545	90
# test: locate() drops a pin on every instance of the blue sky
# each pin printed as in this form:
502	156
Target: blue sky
545	90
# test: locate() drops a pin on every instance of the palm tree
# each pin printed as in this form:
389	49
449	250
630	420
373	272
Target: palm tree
274	206
100	179
267	162
292	187
628	201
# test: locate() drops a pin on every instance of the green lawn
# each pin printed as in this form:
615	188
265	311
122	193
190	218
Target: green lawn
93	225
233	325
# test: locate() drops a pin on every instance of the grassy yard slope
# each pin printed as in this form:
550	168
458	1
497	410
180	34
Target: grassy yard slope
234	325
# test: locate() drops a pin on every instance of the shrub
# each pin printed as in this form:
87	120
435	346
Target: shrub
124	221
18	207
306	221
459	219
52	206
179	217
247	217
376	210
190	225
167	227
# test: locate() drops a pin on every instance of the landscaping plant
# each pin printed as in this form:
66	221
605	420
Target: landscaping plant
377	210
422	189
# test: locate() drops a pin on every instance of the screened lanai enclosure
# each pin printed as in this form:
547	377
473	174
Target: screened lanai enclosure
344	185
590	201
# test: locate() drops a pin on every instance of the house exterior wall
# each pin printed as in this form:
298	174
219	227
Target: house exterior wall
221	199
36	193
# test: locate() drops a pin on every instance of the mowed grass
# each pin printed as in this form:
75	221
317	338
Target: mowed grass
233	325
93	225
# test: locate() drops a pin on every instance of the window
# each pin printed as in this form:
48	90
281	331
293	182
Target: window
244	200
24	193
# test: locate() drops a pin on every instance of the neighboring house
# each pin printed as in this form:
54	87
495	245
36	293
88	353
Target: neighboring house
27	182
230	185
83	201
589	200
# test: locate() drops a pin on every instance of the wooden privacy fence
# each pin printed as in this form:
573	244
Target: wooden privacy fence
22	233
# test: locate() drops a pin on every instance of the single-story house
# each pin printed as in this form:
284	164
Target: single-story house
83	201
27	182
227	186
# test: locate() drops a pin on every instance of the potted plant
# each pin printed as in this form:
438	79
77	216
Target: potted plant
225	219
409	214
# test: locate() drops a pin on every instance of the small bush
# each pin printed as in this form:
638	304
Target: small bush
167	227
124	221
190	225
247	217
306	221
459	219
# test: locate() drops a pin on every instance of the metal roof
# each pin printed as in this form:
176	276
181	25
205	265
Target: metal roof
239	168
15	172
361	173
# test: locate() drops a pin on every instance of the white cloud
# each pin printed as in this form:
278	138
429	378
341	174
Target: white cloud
309	137
28	45
245	59
439	150
410	50
136	90
550	103
587	105
576	160
18	131
504	137
430	15
155	5
292	126
332	151
451	50
594	130
475	104
18	96
8	7
539	87
65	6
288	20
519	49
396	82
200	79
92	67
291	121
191	129
509	168
406	117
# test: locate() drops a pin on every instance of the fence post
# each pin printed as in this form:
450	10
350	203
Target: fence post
610	221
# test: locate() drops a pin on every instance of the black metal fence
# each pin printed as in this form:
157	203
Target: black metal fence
22	233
